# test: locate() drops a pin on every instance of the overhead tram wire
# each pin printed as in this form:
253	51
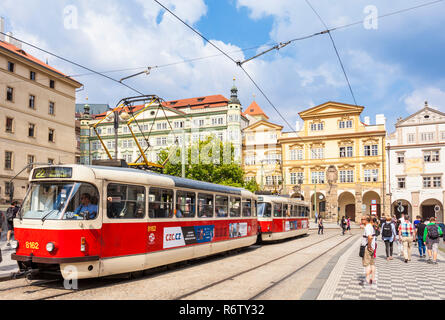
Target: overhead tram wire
236	62
74	63
336	51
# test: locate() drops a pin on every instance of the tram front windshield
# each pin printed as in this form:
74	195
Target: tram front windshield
264	209
60	201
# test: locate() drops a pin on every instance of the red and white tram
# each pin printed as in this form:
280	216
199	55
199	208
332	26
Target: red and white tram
282	217
94	221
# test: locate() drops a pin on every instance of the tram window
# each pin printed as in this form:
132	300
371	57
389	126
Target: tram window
205	205
264	209
285	209
235	207
277	210
294	211
307	212
221	206
247	208
185	204
254	209
125	201
160	203
48	200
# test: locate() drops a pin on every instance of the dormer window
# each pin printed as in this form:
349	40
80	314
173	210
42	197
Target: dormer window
201	99
317	126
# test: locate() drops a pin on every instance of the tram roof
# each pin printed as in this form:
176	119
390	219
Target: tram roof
179	182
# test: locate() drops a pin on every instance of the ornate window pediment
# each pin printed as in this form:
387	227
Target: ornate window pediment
296	169
346	167
345	142
370	141
371	165
318	168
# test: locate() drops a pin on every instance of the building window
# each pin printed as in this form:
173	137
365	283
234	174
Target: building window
32	101
32	75
346	152
7	187
217	121
8	160
10	66
371	150
161	141
31	130
431	156
161	126
179	124
401	158
9	94
51	135
345	124
346	176
296	178
371	175
51	108
401	183
317	126
296	154
427	136
50	161
9	124
442	135
31	160
411	137
427	182
52	84
437	182
317	153
318	177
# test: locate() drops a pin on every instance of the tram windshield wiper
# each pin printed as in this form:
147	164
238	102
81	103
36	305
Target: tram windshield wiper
46	215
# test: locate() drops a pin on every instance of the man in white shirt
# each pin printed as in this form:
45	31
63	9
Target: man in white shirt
368	240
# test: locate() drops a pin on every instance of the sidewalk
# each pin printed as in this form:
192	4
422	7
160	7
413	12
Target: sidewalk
330	225
396	280
7	266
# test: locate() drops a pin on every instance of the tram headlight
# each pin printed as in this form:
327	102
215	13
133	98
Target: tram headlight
14	244
50	247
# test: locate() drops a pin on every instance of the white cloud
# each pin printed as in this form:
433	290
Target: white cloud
416	100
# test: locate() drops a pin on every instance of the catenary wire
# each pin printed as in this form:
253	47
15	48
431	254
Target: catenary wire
336	51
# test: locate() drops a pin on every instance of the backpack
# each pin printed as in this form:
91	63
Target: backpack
433	231
10	213
387	230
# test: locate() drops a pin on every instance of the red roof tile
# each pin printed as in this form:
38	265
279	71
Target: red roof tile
255	110
23	54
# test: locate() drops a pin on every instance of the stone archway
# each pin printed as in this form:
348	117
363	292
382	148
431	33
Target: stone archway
427	209
370	199
405	204
321	205
346	205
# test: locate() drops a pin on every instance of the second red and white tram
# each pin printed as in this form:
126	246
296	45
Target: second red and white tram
282	217
92	221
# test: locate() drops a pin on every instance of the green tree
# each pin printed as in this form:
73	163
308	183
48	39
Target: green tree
209	161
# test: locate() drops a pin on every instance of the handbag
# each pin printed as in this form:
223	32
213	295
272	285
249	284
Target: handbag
362	251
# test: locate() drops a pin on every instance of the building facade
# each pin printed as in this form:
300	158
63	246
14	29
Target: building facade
416	164
37	107
337	162
189	120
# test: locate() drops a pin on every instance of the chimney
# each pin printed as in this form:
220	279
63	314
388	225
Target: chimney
380	119
2	28
367	121
297	126
8	38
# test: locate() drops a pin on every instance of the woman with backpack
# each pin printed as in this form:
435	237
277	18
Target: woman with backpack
431	238
388	236
343	225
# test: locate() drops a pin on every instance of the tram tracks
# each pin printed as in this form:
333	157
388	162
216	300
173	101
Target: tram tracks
233	276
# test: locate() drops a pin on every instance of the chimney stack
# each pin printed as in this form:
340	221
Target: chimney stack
2	28
380	119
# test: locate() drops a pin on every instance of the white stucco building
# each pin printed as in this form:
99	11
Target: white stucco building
416	164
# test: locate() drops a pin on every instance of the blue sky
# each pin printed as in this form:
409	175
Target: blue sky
392	69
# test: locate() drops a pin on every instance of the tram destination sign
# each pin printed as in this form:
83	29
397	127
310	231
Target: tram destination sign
53	173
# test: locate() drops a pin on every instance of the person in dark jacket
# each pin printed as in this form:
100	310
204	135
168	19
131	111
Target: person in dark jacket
420	229
11	213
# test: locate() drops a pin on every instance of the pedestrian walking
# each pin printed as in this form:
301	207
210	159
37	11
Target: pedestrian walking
316	217
343	225
431	239
369	244
420	229
398	238
11	213
348	225
388	236
320	226
406	233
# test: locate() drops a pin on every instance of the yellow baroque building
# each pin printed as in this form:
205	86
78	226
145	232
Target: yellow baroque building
337	162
